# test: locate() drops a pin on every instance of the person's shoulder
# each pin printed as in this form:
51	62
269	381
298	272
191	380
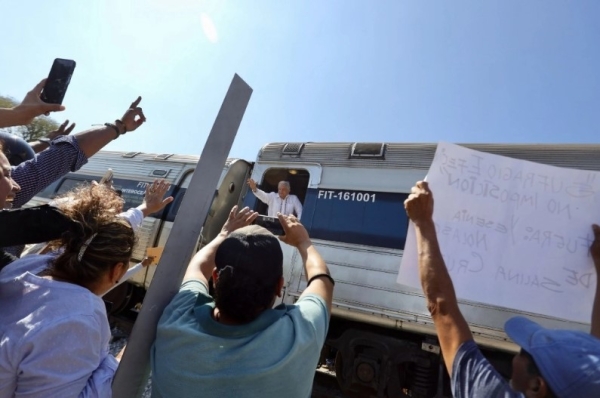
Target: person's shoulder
33	264
312	300
473	375
190	293
310	308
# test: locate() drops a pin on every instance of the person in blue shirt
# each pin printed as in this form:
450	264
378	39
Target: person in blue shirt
551	363
237	344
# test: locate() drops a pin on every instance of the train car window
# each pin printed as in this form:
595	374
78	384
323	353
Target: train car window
298	179
358	217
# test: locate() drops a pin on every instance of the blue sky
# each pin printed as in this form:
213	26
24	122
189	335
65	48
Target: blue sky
335	70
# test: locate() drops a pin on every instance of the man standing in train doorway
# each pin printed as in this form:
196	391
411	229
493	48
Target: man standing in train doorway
280	201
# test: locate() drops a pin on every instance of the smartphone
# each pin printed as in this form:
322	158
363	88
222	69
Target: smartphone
271	224
107	177
58	81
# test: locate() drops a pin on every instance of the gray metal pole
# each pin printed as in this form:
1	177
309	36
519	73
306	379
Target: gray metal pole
133	371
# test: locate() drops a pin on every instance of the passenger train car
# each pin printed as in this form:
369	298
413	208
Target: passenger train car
381	336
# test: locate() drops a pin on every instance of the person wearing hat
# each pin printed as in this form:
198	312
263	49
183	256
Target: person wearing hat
237	344
551	363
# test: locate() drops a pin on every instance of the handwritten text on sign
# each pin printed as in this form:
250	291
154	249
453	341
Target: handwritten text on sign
513	233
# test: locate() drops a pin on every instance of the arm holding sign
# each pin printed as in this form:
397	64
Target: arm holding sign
451	327
595	252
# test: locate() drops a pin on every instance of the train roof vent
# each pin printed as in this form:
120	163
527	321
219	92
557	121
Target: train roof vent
292	149
163	156
368	150
130	154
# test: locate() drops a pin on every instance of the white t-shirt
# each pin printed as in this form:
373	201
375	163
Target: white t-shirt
55	336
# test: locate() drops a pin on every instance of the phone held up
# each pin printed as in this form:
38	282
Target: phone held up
271	224
58	81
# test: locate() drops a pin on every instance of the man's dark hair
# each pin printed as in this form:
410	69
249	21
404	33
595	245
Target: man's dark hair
250	264
533	370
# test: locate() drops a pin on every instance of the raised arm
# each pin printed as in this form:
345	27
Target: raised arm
260	194
452	328
317	273
203	263
91	141
69	153
595	252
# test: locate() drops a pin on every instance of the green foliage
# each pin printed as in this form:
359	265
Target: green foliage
39	127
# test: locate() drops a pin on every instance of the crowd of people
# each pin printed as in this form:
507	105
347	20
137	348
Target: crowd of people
234	342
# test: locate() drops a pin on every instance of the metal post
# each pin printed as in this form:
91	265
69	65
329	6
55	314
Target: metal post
133	371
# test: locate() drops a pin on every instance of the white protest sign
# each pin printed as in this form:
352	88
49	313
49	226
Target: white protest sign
513	233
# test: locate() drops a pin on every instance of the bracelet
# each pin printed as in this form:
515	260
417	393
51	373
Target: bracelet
119	121
115	128
320	275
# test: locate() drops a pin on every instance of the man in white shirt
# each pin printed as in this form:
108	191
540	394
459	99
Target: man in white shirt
280	201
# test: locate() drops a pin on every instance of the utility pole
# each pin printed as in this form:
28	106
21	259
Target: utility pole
134	369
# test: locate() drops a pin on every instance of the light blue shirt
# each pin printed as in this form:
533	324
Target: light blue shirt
275	355
54	336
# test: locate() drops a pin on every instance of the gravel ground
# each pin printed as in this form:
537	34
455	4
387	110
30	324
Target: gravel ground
117	343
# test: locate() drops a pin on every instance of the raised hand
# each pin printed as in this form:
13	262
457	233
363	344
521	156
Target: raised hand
294	233
154	197
419	205
133	117
32	105
62	130
252	184
239	219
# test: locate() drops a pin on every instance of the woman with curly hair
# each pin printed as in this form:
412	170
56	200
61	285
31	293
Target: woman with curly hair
53	323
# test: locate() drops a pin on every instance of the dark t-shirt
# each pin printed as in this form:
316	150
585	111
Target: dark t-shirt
473	376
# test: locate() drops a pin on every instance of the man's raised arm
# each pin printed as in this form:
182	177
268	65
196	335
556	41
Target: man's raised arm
69	153
318	277
451	327
595	252
259	193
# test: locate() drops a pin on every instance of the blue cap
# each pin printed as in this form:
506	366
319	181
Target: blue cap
569	361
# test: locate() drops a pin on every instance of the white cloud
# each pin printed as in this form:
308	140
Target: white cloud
208	27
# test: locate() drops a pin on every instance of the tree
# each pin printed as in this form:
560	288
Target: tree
39	127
